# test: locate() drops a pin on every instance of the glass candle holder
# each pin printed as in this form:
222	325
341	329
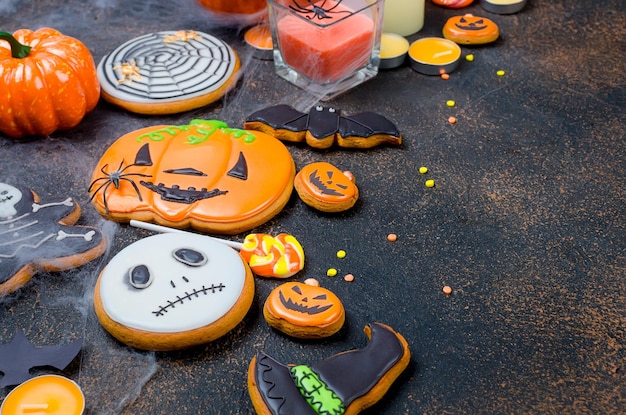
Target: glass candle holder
326	46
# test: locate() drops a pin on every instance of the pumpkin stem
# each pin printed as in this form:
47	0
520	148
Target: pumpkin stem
18	50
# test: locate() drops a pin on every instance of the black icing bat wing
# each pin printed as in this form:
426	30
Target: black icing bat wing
322	127
19	356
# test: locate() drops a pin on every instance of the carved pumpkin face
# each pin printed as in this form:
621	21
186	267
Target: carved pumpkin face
325	187
204	174
305	305
470	30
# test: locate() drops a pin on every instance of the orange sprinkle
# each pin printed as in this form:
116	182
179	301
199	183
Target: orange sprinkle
452	120
392	237
445	76
447	290
312	281
349	277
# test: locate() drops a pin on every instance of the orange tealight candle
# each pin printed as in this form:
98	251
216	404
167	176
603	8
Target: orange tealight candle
45	395
260	38
393	50
434	55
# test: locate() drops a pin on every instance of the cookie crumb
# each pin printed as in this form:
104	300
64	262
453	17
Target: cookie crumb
447	290
312	281
349	277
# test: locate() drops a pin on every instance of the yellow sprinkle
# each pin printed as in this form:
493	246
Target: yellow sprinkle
423	170
331	272
341	253
469	58
429	183
500	73
450	103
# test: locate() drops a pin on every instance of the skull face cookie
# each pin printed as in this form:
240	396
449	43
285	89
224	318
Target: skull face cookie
171	291
36	236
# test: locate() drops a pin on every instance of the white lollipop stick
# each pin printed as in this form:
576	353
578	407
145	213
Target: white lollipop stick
165	229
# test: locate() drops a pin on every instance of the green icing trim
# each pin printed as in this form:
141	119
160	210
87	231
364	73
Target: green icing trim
205	128
321	398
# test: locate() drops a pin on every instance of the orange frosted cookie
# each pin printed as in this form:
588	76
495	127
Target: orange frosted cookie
203	175
304	311
326	188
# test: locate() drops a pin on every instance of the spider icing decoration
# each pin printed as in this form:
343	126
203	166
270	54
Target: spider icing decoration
313	11
37	236
204	175
170	291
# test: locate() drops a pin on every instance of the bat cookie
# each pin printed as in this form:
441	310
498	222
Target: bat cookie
173	290
322	127
345	383
37	236
168	72
203	175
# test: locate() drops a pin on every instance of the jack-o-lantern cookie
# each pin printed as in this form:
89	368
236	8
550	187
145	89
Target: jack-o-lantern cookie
345	383
326	188
168	72
470	30
453	4
37	236
204	175
173	290
304	311
268	256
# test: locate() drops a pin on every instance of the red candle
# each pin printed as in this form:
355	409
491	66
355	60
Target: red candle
328	49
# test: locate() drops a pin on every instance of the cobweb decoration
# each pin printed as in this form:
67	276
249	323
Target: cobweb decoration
167	66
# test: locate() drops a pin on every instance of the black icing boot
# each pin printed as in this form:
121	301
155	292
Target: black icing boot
344	383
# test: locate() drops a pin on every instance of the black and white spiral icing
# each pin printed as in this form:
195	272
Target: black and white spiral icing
167	66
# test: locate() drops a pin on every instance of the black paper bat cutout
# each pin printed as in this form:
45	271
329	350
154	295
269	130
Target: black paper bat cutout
322	127
19	356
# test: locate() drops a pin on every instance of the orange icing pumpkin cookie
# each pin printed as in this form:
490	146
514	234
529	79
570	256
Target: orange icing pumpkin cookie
168	72
203	175
304	311
470	30
280	257
453	4
326	188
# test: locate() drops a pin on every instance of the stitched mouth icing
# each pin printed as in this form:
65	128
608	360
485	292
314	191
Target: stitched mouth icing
188	296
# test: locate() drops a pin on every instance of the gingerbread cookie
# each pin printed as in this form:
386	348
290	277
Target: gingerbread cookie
345	383
171	291
322	127
204	175
168	72
39	236
279	257
303	310
326	188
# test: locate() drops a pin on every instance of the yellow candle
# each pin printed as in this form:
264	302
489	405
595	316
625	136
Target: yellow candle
503	6
45	395
403	17
393	50
434	55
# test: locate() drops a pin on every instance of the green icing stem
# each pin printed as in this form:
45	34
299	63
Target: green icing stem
321	398
203	127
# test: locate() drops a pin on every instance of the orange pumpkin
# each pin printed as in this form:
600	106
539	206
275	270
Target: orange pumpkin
235	6
48	82
303	310
470	30
204	175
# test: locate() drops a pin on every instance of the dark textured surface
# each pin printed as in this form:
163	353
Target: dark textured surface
526	222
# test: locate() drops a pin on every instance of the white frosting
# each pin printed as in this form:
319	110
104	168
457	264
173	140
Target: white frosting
180	297
167	71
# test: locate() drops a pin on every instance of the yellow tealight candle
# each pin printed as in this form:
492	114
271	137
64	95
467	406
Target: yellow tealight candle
393	50
434	55
503	6
45	395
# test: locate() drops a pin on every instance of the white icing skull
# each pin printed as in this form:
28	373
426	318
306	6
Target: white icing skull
9	197
172	282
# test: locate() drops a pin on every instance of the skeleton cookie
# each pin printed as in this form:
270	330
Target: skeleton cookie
37	236
173	290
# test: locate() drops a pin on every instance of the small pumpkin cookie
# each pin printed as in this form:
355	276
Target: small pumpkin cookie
470	30
326	188
345	383
304	311
168	72
38	236
203	175
173	290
